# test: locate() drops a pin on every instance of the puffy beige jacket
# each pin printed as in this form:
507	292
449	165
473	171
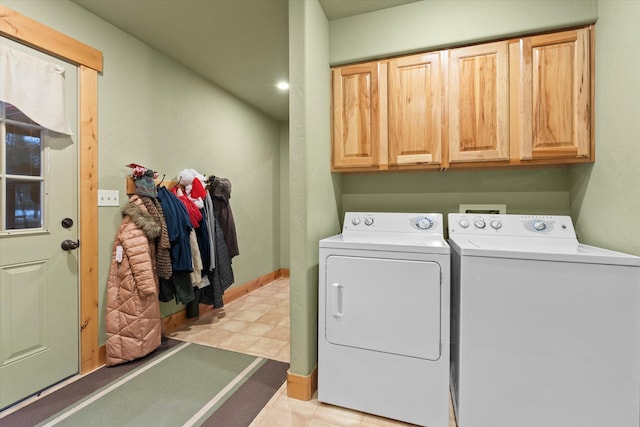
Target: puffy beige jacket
133	322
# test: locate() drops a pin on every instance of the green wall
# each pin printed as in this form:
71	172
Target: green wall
543	191
435	24
314	200
156	112
605	196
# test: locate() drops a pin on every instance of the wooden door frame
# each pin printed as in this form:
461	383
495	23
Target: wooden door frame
24	30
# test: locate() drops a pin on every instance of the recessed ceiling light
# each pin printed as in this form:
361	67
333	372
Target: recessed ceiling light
282	85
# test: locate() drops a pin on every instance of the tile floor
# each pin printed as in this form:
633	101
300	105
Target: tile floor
258	324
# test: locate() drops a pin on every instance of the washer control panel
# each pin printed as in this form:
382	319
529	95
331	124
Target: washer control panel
392	222
511	225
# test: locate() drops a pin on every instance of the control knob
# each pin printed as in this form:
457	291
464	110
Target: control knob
355	220
479	223
496	224
424	223
464	223
368	221
539	226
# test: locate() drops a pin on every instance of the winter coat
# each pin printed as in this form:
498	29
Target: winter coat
221	189
178	228
224	216
133	323
220	277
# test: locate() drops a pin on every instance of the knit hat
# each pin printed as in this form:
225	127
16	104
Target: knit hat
145	184
143	178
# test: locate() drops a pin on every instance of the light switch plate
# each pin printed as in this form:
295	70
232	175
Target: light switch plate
108	198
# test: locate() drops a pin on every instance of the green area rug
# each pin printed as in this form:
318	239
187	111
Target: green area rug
185	384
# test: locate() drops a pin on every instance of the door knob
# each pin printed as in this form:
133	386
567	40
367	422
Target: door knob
68	245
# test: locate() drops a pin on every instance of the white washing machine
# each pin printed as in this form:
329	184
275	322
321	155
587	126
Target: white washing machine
383	327
545	330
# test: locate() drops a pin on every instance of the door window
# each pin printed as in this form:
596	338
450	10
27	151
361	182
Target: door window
22	177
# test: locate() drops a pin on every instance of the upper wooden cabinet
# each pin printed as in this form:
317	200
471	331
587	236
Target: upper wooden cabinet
551	88
388	115
479	103
525	101
356	116
415	110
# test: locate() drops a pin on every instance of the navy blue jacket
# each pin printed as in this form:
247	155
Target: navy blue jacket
178	228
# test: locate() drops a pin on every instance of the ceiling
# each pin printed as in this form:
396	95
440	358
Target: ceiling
240	45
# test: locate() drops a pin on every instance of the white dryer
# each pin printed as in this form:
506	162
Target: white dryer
545	330
383	327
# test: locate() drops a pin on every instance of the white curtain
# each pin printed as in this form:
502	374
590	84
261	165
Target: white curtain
34	86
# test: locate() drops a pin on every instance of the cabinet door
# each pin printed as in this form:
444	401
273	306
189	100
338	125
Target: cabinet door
479	103
415	110
356	116
555	95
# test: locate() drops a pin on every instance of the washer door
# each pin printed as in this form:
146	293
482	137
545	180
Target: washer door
384	305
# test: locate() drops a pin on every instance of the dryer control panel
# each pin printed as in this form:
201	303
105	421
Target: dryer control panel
511	225
392	222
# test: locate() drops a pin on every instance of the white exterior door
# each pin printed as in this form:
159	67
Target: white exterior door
39	291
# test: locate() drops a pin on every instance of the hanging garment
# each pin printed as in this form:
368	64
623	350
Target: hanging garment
178	287
221	189
194	212
163	244
193	307
178	229
196	274
220	277
203	236
209	215
133	324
